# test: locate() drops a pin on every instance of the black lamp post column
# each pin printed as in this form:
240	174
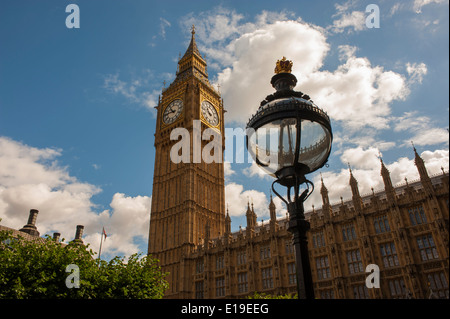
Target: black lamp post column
299	226
302	145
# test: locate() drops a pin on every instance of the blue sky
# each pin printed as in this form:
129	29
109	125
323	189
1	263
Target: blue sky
76	105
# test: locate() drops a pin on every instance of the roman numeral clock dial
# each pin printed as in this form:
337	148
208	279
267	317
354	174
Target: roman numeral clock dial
209	112
172	111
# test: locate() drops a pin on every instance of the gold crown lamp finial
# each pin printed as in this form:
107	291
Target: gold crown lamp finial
283	66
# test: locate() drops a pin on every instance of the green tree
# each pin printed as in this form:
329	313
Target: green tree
37	269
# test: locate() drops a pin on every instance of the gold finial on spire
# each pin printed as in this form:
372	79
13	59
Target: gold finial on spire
283	66
193	29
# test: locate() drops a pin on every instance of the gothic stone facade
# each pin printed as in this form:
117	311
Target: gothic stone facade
407	237
403	230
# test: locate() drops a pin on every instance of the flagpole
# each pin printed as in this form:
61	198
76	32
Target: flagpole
101	242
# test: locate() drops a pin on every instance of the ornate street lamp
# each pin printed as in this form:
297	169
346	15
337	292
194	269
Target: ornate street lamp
289	137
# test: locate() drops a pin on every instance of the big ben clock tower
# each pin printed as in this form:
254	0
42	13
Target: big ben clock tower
188	197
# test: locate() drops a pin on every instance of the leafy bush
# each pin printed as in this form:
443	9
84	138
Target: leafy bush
37	269
258	295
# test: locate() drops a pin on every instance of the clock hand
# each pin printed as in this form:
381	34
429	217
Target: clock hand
171	110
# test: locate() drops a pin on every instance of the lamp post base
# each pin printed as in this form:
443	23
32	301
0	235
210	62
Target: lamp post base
299	226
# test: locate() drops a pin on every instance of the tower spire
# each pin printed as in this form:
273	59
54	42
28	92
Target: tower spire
357	201
424	177
192	62
192	48
326	208
389	188
353	183
324	192
273	216
227	223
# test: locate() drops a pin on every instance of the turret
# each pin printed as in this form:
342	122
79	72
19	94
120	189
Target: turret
251	220
272	210
424	178
227	224
389	188
326	208
357	200
273	215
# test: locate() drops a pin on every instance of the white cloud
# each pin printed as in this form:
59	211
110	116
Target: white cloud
416	71
419	4
395	8
364	138
352	21
163	25
359	158
298	41
32	178
411	120
113	84
215	27
237	199
431	136
422	129
357	93
227	169
20	164
346	52
435	160
125	224
140	89
254	170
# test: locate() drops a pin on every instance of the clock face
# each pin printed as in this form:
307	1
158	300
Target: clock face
209	113
172	111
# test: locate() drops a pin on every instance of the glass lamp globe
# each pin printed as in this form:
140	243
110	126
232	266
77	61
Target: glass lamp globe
289	136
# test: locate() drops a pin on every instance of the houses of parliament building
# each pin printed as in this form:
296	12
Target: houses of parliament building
404	230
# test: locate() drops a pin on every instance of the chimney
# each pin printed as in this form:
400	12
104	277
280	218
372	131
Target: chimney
79	234
56	237
30	227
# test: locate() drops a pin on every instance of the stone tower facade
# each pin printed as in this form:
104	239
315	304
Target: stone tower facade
188	204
